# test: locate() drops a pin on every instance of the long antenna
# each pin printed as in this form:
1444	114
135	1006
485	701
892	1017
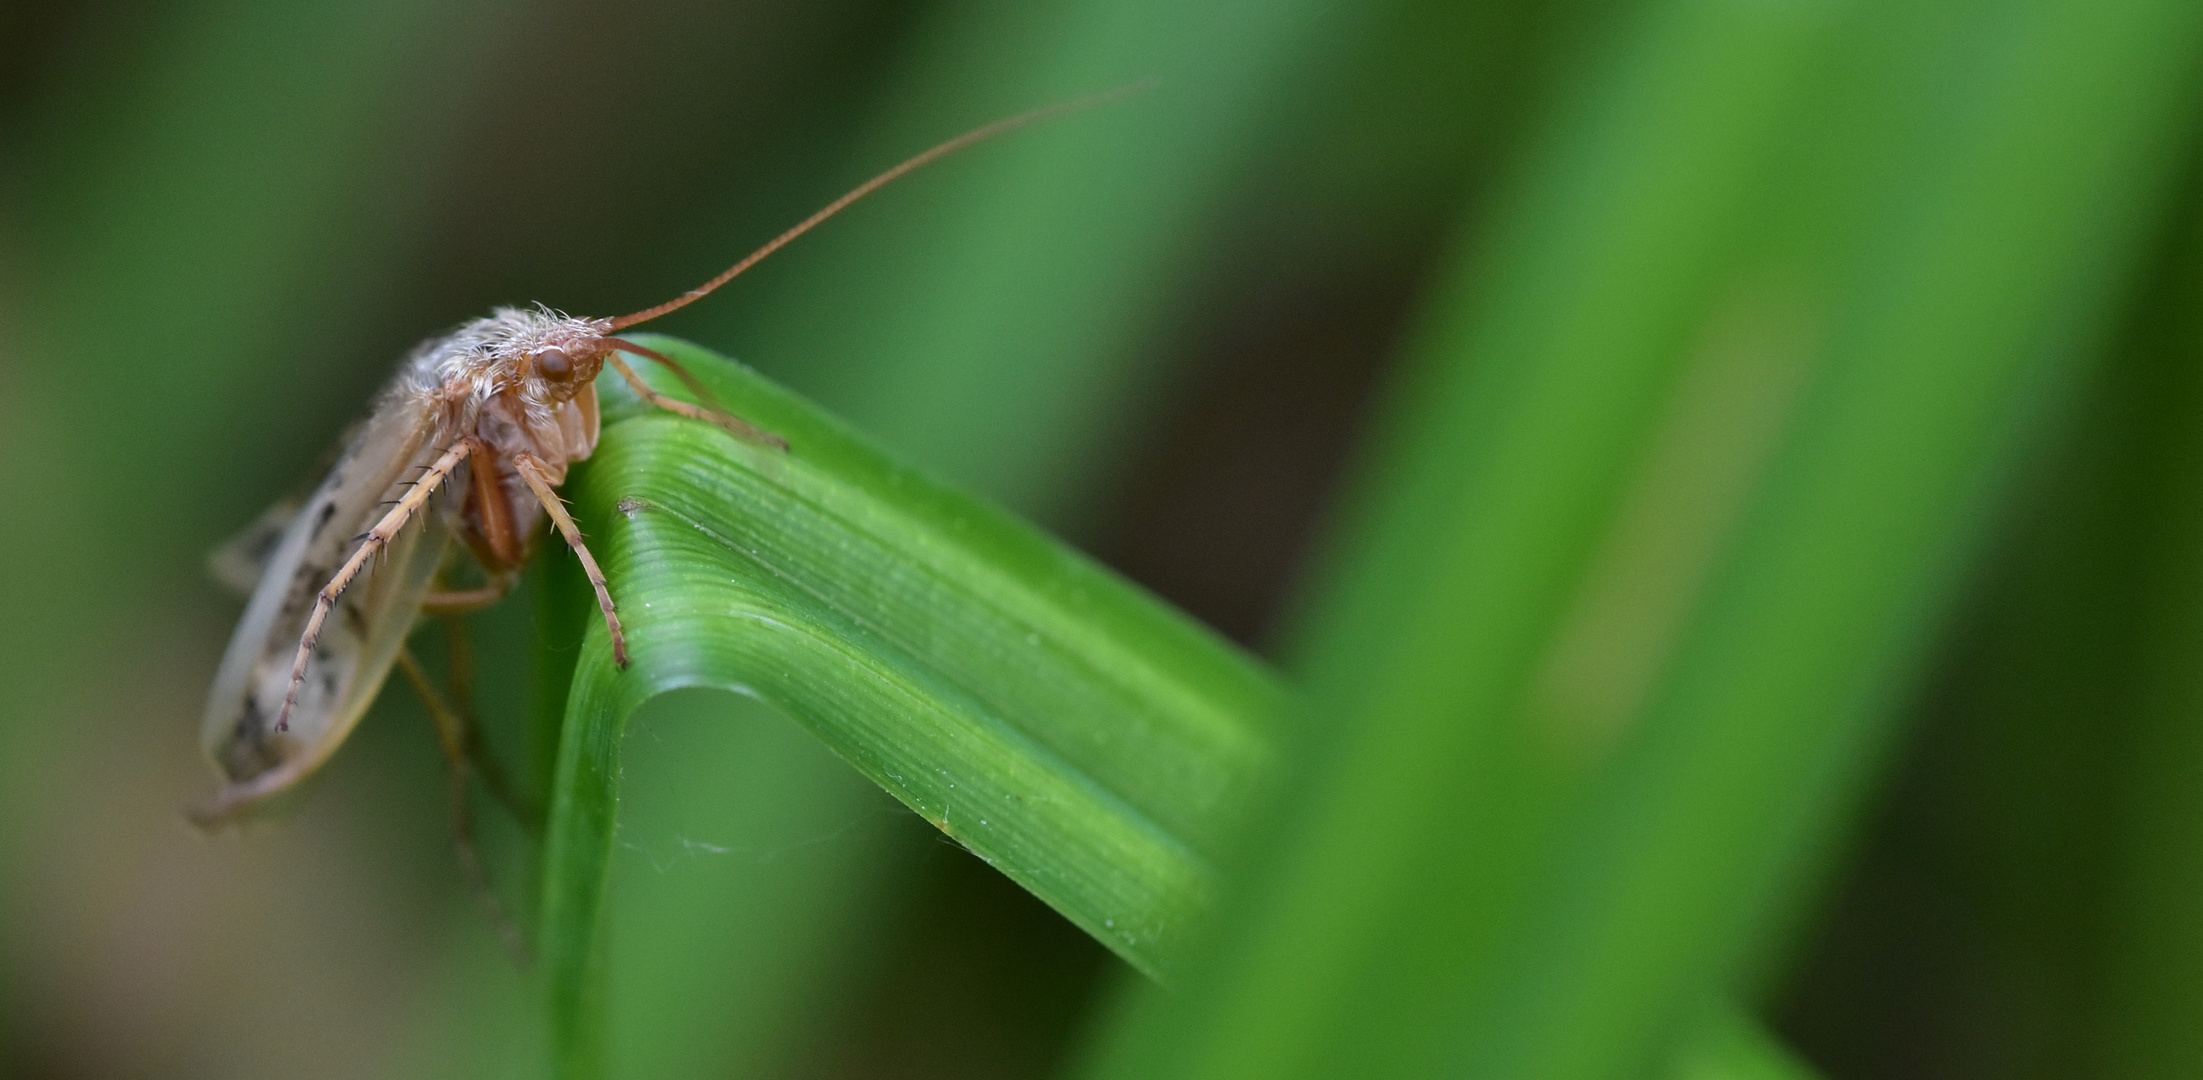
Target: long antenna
868	187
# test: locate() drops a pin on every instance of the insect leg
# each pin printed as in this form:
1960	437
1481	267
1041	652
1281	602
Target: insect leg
376	538
452	734
538	481
461	601
734	424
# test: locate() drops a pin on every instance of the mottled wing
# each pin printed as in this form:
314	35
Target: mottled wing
361	639
242	560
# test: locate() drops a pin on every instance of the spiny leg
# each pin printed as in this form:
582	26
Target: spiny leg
539	482
376	538
642	389
452	734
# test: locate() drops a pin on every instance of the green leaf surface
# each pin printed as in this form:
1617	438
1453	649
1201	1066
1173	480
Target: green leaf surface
1675	493
1083	738
1080	736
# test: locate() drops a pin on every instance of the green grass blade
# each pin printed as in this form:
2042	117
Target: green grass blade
1080	736
1676	492
1083	738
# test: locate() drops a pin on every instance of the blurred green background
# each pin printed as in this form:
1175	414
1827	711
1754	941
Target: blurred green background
1777	566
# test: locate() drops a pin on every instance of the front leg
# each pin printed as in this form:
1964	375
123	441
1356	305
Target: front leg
538	481
735	424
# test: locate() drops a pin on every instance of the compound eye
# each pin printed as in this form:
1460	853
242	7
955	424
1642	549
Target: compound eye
554	364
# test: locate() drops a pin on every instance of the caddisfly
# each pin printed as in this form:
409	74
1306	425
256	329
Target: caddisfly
497	409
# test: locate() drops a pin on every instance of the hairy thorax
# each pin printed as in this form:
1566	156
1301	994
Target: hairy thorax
520	381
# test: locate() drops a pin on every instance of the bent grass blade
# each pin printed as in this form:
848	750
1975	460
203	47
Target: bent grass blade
1087	740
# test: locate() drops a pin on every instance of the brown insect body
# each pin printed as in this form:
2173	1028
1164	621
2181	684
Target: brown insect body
496	411
519	381
510	401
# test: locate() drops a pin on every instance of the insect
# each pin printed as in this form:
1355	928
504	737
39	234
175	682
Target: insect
493	412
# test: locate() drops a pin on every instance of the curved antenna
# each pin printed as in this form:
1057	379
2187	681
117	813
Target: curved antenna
868	187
